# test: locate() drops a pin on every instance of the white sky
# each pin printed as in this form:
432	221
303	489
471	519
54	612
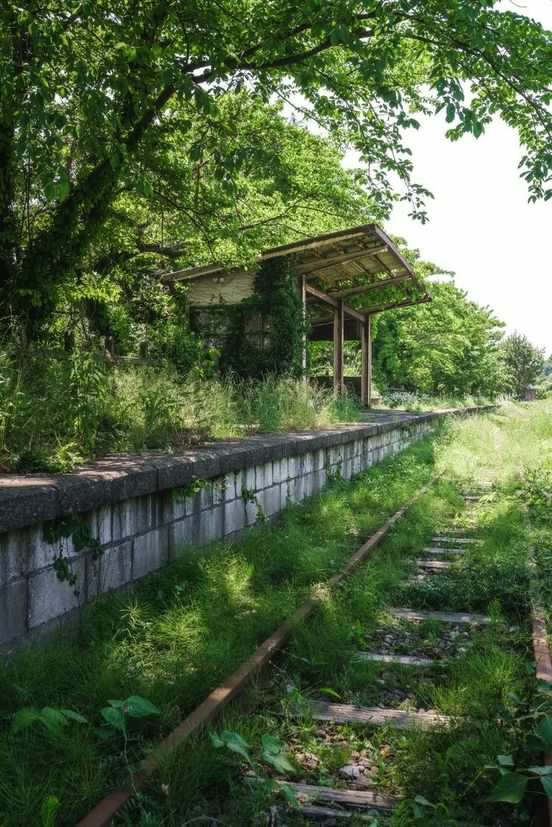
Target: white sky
481	225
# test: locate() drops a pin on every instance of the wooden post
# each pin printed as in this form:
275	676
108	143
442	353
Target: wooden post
303	292
366	378
339	336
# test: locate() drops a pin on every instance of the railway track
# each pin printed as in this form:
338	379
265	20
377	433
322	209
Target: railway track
354	794
359	798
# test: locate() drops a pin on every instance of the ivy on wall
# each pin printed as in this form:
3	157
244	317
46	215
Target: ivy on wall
266	330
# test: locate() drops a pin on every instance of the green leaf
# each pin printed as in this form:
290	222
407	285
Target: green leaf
235	743
540	770
138	707
271	744
331	692
451	112
544	731
546	782
505	760
114	718
290	795
279	761
510	788
24	718
419	799
49	810
216	741
74	716
274	753
53	719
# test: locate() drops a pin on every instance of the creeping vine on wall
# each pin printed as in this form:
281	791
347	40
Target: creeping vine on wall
72	528
266	330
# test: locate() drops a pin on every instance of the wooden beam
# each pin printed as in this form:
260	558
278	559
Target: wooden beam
335	303
324	263
355	291
339	331
392	305
366	375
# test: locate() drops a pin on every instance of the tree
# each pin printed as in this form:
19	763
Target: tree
88	85
523	362
291	183
447	347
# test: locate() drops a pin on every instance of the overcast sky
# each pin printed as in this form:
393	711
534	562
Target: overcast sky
481	225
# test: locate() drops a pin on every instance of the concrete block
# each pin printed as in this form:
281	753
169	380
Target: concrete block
271	500
229	487
180	535
285	496
347	469
318	481
259	477
248	480
151	551
93	576
29	501
297	489
277	477
44	553
15	554
319	459
165	507
308	463
293	468
219	490
50	597
116	567
212	525
133	516
250	510
103	522
239	479
268	477
13	610
284	469
179	504
206	496
234	516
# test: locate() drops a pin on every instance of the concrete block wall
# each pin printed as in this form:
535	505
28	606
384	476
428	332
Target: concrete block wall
144	512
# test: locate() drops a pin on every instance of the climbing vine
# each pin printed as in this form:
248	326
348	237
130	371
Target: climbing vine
266	330
72	528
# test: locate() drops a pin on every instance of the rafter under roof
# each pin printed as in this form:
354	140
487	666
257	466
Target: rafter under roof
358	261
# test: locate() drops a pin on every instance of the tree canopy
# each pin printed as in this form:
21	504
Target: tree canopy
523	362
447	347
91	89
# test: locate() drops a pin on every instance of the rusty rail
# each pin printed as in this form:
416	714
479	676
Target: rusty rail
102	813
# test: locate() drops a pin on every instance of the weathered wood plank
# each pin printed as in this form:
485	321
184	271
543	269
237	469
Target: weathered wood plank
463	541
357	799
434	565
444	617
401	660
440	550
376	716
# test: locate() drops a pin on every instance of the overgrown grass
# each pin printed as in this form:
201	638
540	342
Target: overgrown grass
175	638
59	411
485	691
488	690
180	632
